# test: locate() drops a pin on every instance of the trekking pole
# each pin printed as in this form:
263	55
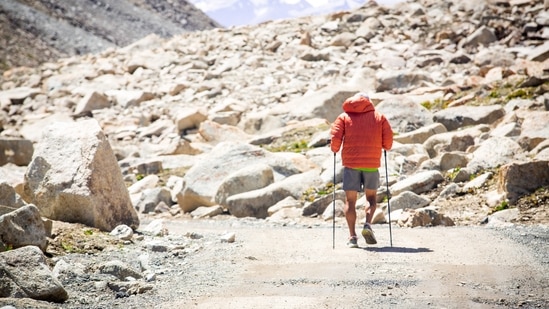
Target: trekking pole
334	206
388	197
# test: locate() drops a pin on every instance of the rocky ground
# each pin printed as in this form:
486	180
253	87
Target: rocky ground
293	265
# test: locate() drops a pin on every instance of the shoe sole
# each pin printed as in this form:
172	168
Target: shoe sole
369	237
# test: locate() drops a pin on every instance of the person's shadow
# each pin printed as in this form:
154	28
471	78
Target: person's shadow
397	249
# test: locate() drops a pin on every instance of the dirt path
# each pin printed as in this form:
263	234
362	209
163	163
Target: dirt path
274	266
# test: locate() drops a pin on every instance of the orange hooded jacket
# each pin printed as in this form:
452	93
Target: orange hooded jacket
362	131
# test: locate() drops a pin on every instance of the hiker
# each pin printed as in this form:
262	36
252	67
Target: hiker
362	133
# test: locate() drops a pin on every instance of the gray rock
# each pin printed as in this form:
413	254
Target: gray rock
156	227
150	198
506	215
449	191
90	102
540	53
249	178
420	135
509	129
8	197
27	275
462	116
18	95
256	203
28	219
206	212
477	182
481	37
128	98
453	141
423	217
288	202
14	176
461	175
494	152
324	104
404	80
534	128
214	133
203	180
123	232
118	269
404	115
328	213
452	160
418	183
408	199
319	205
189	118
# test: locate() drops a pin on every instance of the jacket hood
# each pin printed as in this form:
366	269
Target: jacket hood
358	104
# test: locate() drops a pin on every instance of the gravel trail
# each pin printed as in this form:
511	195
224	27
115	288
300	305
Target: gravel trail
294	266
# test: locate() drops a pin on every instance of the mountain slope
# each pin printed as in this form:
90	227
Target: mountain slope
37	31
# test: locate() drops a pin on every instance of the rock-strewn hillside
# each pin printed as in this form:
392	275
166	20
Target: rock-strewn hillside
463	85
33	32
233	123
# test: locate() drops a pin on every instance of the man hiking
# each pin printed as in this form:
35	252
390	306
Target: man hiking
362	133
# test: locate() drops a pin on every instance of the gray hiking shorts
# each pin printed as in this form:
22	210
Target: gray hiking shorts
355	180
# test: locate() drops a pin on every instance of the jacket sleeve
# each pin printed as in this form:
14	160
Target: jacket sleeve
387	135
337	132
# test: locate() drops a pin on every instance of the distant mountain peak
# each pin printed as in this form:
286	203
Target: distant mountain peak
250	12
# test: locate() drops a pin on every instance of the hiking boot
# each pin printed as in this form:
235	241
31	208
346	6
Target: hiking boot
352	243
368	235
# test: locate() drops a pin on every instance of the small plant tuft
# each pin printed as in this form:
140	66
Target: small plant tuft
312	194
521	93
502	206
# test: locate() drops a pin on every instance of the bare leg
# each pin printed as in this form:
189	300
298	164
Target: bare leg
350	211
370	209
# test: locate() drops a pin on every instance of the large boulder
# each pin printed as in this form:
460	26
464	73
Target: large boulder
203	180
256	203
250	178
74	177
